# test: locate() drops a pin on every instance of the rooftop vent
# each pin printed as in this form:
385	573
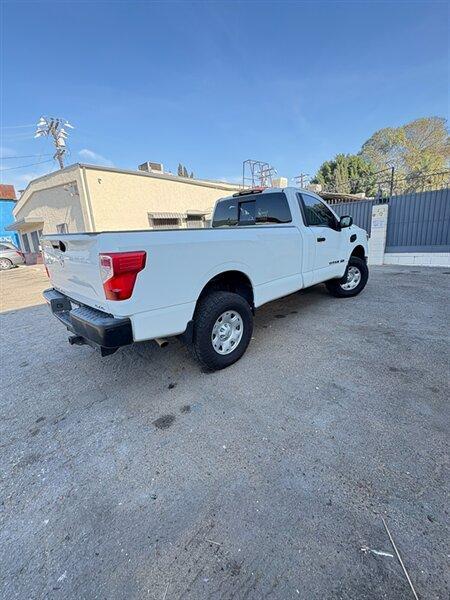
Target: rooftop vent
151	167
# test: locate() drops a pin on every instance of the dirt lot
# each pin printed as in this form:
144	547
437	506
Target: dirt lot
22	287
140	476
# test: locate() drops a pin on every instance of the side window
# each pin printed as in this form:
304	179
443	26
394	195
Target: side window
226	213
315	212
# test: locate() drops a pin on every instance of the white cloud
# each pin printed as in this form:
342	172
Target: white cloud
92	156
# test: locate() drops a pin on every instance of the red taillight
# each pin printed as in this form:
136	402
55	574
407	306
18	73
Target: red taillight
119	271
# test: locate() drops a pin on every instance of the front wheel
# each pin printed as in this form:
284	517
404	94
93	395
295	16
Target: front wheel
353	282
223	326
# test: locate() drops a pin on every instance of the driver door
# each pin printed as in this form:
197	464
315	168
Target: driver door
326	238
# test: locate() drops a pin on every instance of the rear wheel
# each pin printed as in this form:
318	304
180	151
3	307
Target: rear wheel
223	326
5	264
353	282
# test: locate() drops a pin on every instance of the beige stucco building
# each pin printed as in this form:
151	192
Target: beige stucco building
93	198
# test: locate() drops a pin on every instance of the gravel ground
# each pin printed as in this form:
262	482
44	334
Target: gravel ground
140	476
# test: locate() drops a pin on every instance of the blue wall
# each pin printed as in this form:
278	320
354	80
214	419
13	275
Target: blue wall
6	218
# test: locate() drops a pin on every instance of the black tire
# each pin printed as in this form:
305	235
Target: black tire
334	286
207	313
5	264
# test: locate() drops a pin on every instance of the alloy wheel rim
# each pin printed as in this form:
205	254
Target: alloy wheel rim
227	332
353	278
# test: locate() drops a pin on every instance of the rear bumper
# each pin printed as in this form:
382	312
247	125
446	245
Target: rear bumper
93	327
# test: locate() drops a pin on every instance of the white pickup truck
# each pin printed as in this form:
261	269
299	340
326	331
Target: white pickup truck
111	289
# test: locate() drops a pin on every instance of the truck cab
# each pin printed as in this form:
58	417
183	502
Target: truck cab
326	238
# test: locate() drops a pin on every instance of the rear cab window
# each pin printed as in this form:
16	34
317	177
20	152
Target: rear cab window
226	213
259	209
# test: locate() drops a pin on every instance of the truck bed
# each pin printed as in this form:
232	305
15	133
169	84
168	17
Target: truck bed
179	263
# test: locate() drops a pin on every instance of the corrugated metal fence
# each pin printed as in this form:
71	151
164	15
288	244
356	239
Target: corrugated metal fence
360	211
419	222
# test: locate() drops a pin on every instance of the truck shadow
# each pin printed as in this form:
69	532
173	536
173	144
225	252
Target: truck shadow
39	340
275	315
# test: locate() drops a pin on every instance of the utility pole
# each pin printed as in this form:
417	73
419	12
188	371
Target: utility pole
54	127
391	183
302	179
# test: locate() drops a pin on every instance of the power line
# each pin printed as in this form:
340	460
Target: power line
29	165
302	179
17	136
24	156
15	126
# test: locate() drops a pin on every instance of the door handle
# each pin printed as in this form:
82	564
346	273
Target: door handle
321	239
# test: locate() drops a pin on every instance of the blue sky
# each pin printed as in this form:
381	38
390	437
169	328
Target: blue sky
210	84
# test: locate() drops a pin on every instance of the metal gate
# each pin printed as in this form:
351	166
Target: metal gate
360	211
419	222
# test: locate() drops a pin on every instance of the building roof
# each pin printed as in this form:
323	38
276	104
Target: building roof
7	192
219	185
25	222
225	185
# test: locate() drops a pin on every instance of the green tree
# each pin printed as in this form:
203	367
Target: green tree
183	172
346	174
418	147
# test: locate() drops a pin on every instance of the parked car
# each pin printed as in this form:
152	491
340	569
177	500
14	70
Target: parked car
114	288
10	256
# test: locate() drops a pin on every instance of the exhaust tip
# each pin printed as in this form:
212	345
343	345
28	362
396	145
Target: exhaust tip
77	340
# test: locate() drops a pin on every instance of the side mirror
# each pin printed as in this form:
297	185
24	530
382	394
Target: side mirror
346	221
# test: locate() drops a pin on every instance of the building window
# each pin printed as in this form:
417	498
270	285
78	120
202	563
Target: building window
62	228
35	241
165	221
25	242
195	221
168	223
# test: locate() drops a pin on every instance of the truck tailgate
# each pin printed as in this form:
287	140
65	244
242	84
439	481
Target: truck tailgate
73	267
